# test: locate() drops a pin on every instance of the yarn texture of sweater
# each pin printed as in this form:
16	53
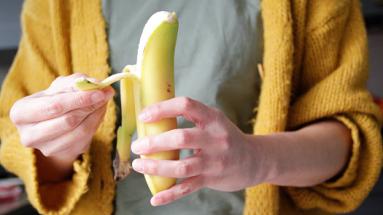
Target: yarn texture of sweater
315	68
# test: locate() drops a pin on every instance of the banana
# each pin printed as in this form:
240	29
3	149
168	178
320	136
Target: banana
155	69
149	82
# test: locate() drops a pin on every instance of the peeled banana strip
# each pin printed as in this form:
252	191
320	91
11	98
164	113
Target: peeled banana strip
121	164
90	84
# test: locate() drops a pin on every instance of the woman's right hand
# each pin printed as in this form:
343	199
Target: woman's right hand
60	121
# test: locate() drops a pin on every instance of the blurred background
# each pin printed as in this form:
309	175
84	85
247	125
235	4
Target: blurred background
13	200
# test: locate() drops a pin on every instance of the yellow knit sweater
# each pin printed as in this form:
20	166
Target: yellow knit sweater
315	63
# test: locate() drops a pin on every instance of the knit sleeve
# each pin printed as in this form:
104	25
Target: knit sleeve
33	69
333	86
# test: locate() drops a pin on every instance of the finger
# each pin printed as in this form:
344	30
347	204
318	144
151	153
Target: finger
178	191
53	128
32	110
71	140
184	168
64	84
192	110
188	138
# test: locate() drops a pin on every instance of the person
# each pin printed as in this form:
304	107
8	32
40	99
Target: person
313	146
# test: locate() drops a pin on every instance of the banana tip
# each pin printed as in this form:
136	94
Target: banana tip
172	17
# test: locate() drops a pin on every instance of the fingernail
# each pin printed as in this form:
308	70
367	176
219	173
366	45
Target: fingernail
156	201
97	97
137	165
144	116
138	146
135	147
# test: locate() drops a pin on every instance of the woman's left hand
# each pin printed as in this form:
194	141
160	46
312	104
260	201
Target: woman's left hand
223	156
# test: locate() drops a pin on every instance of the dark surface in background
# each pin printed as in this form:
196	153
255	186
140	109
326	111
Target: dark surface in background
374	21
26	210
7	57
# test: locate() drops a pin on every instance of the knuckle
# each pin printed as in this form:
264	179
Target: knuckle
93	108
183	169
71	121
82	100
155	110
183	138
54	108
186	103
151	167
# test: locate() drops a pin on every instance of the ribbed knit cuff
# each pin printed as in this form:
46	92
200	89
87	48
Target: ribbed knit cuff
55	198
346	177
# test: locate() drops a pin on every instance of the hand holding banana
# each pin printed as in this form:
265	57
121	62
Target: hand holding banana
222	157
60	121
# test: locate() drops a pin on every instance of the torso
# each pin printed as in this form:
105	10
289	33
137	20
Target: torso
218	47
